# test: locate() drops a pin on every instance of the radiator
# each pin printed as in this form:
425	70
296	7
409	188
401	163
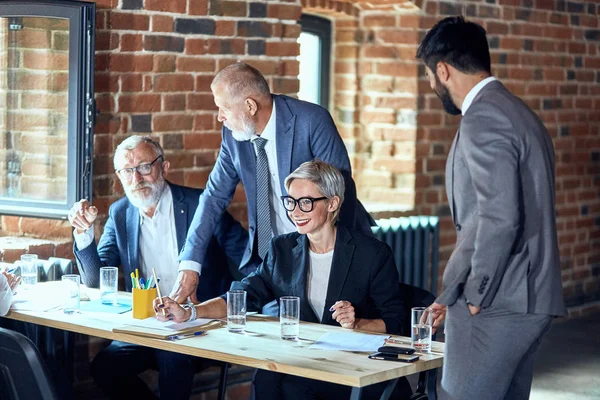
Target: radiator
415	243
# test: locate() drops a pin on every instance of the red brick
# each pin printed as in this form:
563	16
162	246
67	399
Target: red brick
174	102
106	40
46	228
182	160
398	36
173	6
200	102
196	178
203	83
128	21
379	21
204	122
346	52
173	83
139	103
202	141
131	42
195	64
282	49
284	11
198	7
398	69
293	31
172	123
162	23
11	255
164	63
225	28
289	67
379	116
11	224
285	85
130	62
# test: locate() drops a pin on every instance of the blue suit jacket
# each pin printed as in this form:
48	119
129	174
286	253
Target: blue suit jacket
119	244
363	272
304	131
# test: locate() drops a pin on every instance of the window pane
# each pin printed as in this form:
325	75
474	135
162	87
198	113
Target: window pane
310	67
34	82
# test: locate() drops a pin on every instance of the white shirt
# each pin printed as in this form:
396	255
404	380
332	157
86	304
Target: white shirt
473	92
280	223
5	295
318	281
157	243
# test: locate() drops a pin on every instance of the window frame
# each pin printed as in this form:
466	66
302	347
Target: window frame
81	104
321	27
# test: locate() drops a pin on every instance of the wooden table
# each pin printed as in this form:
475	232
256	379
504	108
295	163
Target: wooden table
260	347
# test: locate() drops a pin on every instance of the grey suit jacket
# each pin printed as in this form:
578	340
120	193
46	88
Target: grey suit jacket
500	186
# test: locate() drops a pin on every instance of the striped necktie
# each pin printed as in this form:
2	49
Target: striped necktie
263	198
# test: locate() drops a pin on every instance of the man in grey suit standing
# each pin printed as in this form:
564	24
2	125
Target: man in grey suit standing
265	138
502	283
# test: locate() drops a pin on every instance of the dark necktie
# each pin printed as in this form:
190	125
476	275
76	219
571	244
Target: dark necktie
263	198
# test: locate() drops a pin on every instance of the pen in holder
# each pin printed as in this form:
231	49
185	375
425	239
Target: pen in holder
142	302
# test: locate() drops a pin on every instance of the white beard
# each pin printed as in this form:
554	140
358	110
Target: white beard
146	201
247	132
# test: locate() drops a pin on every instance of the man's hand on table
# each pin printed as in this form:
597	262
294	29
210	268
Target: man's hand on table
185	287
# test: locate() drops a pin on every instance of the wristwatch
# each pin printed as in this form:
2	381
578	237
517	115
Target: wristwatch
191	307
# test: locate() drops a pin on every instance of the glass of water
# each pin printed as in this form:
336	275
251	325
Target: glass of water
421	329
29	269
236	311
71	292
289	317
109	277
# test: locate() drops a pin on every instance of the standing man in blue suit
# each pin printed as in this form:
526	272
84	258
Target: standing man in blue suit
145	230
265	138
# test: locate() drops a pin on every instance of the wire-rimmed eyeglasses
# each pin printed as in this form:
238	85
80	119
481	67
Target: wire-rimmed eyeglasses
306	204
142	169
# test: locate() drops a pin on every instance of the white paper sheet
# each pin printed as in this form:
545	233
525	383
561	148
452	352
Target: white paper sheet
153	323
351	341
38	298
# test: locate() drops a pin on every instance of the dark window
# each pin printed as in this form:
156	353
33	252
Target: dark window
315	59
47	106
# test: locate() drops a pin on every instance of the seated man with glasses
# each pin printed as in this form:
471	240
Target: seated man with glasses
341	276
147	229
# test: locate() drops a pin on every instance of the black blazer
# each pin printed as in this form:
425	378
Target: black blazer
363	272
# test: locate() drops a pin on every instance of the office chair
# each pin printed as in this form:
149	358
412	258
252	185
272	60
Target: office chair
416	297
23	375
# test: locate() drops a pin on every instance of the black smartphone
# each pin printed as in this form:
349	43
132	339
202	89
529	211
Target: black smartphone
396	350
393	357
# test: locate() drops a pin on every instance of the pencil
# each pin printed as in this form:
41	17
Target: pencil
158	290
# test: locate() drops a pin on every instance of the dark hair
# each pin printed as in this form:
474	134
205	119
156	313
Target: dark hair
457	42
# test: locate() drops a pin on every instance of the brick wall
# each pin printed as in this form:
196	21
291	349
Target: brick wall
155	61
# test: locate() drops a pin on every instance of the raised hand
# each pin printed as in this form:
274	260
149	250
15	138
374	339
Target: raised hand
82	215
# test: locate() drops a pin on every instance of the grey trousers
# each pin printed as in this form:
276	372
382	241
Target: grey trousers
490	356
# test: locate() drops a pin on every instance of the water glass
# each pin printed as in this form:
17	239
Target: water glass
29	269
108	285
289	317
421	328
236	311
71	292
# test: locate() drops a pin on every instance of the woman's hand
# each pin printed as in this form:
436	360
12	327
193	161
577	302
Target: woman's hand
343	313
12	279
172	310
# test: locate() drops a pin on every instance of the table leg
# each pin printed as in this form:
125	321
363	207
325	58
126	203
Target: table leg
356	393
223	381
389	388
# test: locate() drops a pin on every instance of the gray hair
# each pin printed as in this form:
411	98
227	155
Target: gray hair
242	81
134	141
327	178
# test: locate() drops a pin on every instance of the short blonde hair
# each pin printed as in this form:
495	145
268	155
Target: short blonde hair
327	178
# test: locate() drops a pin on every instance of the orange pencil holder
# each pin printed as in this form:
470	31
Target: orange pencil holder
142	303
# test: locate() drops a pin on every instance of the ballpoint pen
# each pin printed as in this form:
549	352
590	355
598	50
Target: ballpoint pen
187	335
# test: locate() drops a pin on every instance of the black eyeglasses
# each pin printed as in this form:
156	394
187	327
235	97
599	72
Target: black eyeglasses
142	169
306	204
